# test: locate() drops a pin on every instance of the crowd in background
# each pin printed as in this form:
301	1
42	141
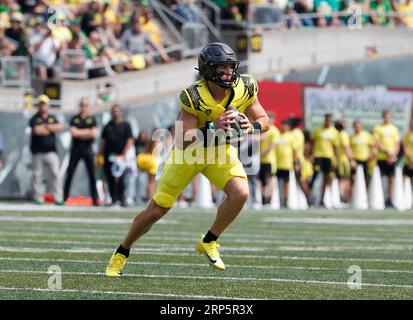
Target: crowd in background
113	35
123	171
319	13
120	35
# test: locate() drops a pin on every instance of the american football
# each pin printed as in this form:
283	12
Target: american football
236	127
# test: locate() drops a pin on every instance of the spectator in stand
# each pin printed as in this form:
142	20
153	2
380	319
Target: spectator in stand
125	15
92	18
186	9
7	46
304	7
115	142
136	42
43	146
98	54
405	10
83	130
44	52
107	34
328	11
379	10
17	33
60	31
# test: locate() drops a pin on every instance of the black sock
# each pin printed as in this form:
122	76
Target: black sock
123	251
210	237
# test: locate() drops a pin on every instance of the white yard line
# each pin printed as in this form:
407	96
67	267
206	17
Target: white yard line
180	235
128	293
234	238
202	265
83	220
158	276
164	246
139	251
341	221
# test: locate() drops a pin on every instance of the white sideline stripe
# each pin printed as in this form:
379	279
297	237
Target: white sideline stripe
84	220
202	265
342	221
152	252
232	238
171	295
165	235
160	246
132	275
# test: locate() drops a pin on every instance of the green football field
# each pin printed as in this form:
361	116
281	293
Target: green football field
311	254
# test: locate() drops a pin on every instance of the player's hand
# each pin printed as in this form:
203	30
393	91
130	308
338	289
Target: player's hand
224	121
245	123
353	163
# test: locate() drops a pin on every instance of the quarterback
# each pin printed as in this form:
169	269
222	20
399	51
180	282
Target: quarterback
206	106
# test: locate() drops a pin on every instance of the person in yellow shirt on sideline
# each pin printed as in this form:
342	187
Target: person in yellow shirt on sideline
408	152
388	147
405	10
345	161
286	158
307	170
299	141
325	141
362	146
268	159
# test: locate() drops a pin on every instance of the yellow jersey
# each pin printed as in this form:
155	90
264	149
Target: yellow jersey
361	144
299	143
198	100
271	136
408	144
388	136
325	139
307	170
285	151
343	142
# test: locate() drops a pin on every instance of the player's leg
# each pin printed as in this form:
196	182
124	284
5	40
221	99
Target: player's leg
232	179
73	161
174	179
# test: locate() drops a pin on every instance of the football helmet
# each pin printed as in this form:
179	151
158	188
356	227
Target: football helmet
215	54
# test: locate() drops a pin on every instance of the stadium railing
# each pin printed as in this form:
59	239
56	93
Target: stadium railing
15	71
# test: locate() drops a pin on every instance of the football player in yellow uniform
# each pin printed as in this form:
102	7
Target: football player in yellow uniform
362	146
205	108
408	152
325	151
268	159
286	158
388	147
345	161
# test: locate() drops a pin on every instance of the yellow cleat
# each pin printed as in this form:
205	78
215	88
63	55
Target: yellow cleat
210	250
116	263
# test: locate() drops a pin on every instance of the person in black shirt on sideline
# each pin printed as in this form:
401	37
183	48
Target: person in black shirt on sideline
43	146
83	130
115	142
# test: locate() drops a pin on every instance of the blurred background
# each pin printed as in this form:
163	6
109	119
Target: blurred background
352	59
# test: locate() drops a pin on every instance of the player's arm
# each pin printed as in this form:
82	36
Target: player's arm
55	127
186	133
41	130
256	117
83	134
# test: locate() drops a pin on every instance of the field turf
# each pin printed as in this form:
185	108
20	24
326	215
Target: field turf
268	254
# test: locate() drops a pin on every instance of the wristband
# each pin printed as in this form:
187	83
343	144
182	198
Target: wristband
256	126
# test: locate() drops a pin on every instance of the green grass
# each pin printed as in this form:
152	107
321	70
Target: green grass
269	255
